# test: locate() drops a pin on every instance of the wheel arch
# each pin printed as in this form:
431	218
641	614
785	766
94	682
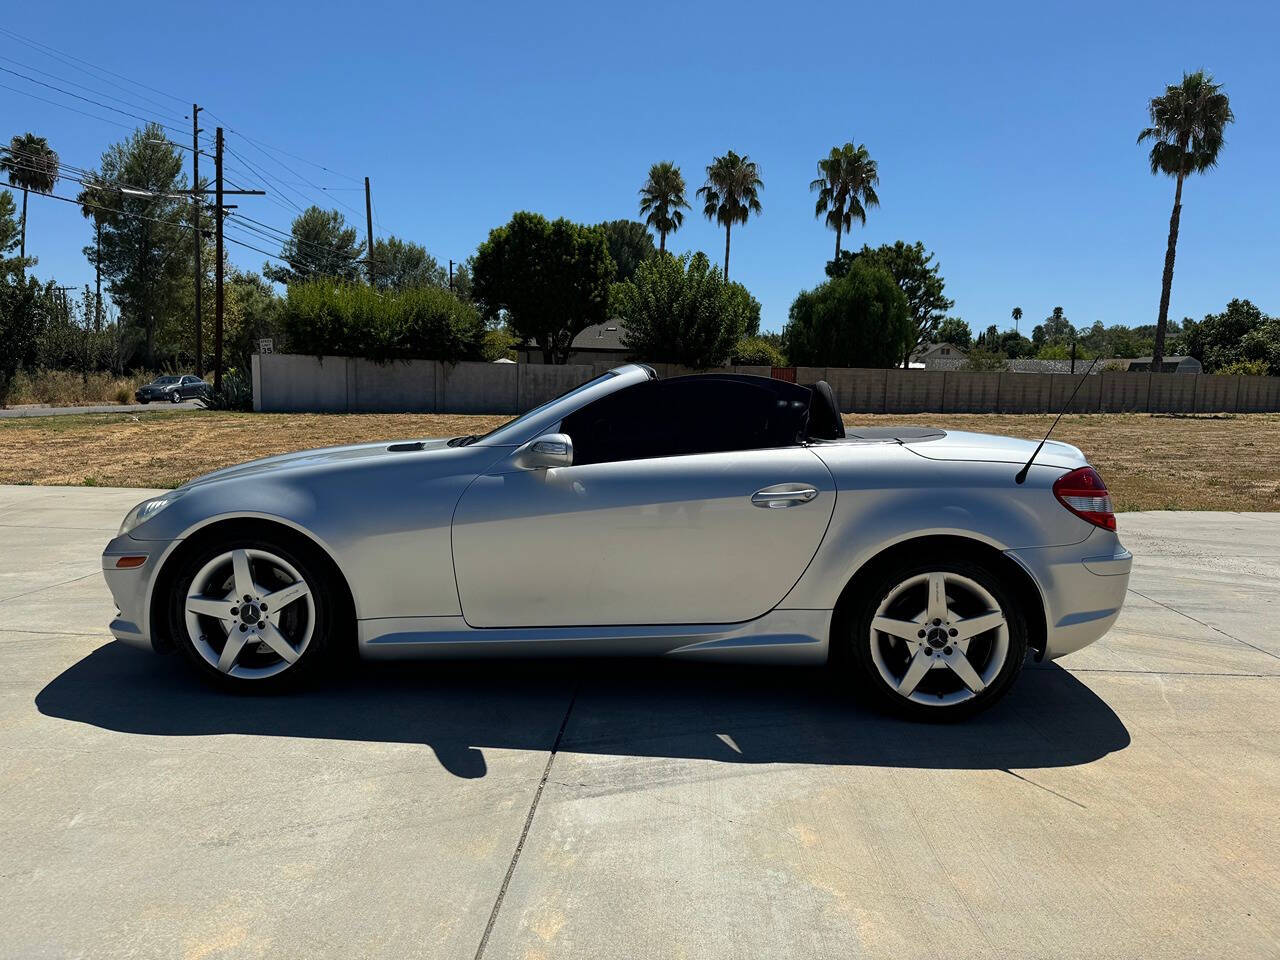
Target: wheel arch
223	527
1020	581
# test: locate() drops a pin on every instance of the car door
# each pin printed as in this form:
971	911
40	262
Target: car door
644	527
187	387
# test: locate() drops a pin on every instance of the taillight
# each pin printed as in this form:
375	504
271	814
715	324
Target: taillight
1084	494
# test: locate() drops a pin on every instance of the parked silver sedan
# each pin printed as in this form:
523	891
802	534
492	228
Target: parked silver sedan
716	517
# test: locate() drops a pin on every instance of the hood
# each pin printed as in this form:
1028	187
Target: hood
958	445
324	457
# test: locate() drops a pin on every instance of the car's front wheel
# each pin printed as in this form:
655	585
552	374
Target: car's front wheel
938	639
175	397
255	614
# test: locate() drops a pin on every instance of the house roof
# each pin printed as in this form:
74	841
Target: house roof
929	348
600	336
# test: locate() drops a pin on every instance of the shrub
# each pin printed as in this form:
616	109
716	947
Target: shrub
985	360
1244	368
354	320
681	310
859	319
236	393
758	352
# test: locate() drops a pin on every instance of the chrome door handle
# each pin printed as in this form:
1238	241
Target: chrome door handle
774	497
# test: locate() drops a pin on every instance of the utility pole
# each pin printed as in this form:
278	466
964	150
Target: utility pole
195	216
368	220
217	267
97	276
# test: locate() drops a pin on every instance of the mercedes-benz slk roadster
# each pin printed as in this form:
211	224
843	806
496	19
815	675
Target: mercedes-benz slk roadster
714	517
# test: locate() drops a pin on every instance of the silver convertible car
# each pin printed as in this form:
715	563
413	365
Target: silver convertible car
717	517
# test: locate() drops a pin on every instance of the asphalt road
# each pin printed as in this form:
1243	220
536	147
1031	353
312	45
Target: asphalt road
35	411
1119	804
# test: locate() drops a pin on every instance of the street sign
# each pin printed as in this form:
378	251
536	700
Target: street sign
264	346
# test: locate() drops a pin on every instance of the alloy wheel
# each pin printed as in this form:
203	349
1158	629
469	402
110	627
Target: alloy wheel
939	638
249	613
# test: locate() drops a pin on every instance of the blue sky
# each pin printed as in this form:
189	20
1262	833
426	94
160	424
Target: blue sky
1004	132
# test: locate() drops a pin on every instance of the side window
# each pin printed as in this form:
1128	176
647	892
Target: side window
687	415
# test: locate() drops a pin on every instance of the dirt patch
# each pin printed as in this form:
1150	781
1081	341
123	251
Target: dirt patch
1150	462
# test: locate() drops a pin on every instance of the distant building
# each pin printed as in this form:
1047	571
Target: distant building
1168	365
601	343
938	356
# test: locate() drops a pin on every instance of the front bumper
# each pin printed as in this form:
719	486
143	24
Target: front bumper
1083	587
131	587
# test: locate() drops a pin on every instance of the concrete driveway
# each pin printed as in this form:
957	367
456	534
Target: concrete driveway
1120	804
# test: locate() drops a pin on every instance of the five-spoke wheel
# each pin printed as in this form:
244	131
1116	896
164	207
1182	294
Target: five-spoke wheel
938	640
252	613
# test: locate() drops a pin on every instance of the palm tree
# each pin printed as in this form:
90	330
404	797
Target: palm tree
1017	316
846	188
731	194
1187	126
96	201
31	165
662	198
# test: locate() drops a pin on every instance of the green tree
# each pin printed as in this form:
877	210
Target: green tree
916	275
629	245
549	280
321	245
758	352
846	187
1238	334
860	319
1187	129
954	330
1014	345
11	265
146	249
681	310
252	313
403	265
1017	316
31	165
731	194
662	200
1055	331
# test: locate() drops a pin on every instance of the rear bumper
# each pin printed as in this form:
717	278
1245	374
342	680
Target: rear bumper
1083	588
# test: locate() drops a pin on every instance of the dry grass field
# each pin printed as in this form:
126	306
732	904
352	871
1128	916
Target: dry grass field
1149	462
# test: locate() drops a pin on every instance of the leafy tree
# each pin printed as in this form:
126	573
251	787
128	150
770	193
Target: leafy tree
681	310
499	344
1014	345
25	308
321	245
325	317
252	313
982	360
31	165
954	330
1187	133
860	319
549	279
846	187
1240	333
1055	330
146	250
916	275
731	194
10	238
758	352
402	265
629	245
662	200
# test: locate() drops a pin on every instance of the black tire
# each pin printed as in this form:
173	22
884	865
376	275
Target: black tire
854	640
144	400
332	630
175	397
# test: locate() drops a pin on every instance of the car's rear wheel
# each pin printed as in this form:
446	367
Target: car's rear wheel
938	639
255	614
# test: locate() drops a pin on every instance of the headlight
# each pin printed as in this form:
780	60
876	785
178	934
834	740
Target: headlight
145	511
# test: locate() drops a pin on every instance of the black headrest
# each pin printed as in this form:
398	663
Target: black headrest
825	422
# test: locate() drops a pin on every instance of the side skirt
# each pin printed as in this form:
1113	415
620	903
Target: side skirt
781	636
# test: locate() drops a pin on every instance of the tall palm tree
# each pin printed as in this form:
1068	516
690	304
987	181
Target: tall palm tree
662	200
846	188
96	201
31	165
731	194
1017	316
1187	126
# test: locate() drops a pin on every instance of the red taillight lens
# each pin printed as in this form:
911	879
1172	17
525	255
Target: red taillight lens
1084	494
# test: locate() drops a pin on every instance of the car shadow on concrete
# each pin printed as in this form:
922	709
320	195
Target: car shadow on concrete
657	709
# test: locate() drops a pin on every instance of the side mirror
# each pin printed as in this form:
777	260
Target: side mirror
548	450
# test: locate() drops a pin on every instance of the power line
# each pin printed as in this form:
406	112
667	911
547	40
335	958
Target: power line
96	103
54	76
83	113
260	145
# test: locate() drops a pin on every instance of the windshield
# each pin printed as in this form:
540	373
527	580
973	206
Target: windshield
507	432
162	381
